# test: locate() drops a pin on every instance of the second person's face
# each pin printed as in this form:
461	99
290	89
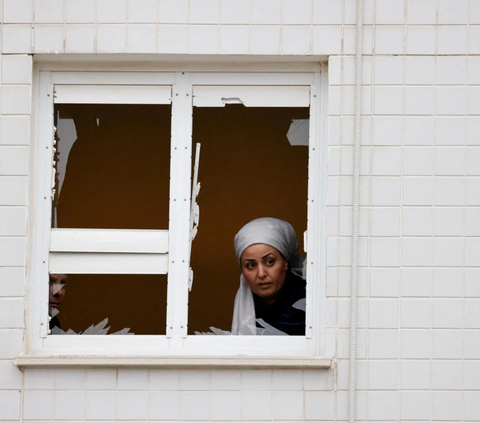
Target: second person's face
264	269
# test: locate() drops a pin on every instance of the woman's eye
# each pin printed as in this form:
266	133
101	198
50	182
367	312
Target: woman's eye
270	262
250	266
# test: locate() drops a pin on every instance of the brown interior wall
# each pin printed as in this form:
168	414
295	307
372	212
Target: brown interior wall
248	170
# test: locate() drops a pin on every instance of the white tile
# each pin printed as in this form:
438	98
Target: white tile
388	100
256	405
383	374
266	11
39	378
419	100
15	130
447	251
389	40
11	313
10	405
475	11
417	161
101	379
451	70
69	379
203	39
415	374
13	190
16	100
448	221
318	380
450	101
17	39
142	11
17	11
12	343
204	11
416	252
382	314
419	70
389	12
473	102
265	40
327	40
384	282
472	282
447	282
447	374
386	161
16	69
225	380
130	379
446	343
163	405
132	405
141	38
473	131
385	191
452	40
415	406
257	380
416	313
382	405
194	406
419	131
473	40
385	221
450	131
235	12
234	39
327	12
173	11
287	380
343	368
415	343
422	12
319	406
69	405
13	221
382	343
388	70
101	405
447	405
49	38
12	251
49	11
416	282
470	404
14	160
472	314
194	380
79	39
296	12
11	376
38	405
417	191
172	38
349	40
449	191
111	38
287	405
225	406
80	11
421	40
473	161
164	380
472	251
447	313
472	222
471	374
473	192
296	40
473	76
452	13
111	11
384	252
472	344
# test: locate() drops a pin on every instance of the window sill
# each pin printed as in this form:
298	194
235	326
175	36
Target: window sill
179	362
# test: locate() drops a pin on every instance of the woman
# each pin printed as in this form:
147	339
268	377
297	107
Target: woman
271	297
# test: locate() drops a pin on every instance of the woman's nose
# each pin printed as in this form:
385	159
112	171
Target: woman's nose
261	271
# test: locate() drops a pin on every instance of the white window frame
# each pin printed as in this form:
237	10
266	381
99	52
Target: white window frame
77	245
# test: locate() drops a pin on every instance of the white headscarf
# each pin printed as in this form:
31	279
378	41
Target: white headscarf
278	234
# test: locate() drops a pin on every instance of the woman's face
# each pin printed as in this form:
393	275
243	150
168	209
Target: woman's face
264	269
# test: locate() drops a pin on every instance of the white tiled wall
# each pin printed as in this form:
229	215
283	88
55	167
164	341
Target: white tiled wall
419	305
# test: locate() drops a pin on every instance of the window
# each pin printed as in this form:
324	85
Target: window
116	214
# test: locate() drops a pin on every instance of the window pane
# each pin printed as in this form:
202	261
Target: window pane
248	169
133	302
112	166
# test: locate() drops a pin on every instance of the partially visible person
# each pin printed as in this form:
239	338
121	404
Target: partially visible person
272	285
57	284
